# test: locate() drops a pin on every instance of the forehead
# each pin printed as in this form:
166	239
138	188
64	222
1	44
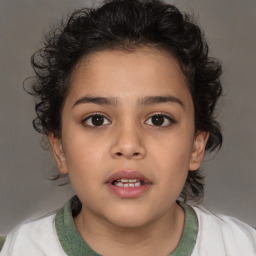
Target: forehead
135	74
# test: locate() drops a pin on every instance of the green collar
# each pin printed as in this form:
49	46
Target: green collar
74	245
2	240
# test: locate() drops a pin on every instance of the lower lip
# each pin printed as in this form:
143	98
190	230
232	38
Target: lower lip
128	192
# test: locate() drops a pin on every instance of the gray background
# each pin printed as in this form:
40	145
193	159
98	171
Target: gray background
25	191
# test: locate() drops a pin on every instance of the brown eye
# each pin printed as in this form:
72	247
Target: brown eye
160	120
96	120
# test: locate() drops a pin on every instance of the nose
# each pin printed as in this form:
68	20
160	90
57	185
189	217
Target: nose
128	143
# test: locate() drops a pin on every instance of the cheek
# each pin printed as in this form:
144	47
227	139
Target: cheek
81	159
173	151
82	169
81	147
172	159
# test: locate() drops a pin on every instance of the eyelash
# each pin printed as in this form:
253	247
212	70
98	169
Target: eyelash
167	118
90	118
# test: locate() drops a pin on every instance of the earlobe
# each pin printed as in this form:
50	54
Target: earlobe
58	152
198	150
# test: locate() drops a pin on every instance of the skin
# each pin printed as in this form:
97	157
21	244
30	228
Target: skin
151	224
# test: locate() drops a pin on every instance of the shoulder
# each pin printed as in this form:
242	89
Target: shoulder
223	235
36	238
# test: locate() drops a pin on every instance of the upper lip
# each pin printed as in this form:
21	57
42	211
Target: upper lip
127	174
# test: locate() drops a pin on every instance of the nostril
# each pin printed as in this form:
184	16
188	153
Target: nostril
134	154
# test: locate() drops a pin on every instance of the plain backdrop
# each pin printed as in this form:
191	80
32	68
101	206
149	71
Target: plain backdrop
25	192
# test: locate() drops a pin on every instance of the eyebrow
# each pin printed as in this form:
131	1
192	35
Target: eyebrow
96	100
148	100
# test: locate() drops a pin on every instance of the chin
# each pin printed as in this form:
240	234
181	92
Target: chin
130	218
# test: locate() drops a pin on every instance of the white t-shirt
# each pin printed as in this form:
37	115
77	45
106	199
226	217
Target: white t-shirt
216	235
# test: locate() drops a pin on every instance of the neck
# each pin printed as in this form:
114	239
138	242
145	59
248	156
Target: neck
159	237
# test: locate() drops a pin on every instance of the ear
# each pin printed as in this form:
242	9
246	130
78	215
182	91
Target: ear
58	152
198	150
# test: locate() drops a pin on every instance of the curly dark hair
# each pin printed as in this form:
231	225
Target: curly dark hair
128	25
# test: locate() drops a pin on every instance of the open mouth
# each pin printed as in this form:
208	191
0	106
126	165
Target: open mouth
128	183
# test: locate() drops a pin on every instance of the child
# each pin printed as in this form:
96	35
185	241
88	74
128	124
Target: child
126	95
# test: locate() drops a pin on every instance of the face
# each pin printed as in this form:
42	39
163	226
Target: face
128	137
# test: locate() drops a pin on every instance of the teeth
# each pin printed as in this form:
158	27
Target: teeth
128	183
126	180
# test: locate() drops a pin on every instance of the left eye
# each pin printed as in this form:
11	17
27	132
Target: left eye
159	120
96	120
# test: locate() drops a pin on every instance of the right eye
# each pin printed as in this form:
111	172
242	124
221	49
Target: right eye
95	120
